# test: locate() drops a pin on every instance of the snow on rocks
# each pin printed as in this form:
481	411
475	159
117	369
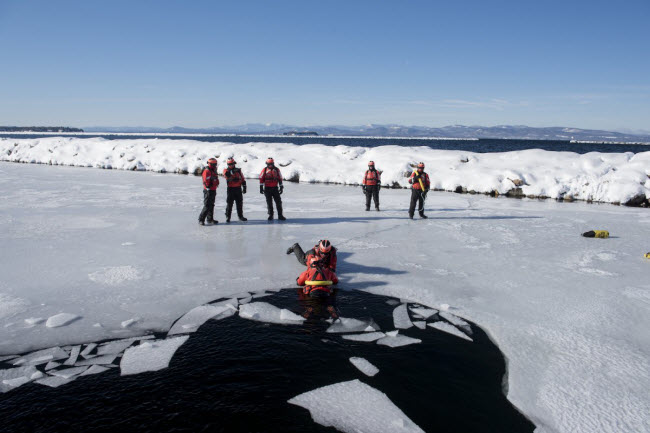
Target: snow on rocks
354	407
401	317
196	317
61	319
393	339
607	177
150	355
450	329
264	312
364	366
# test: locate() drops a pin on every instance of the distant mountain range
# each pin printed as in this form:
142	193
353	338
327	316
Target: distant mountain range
455	131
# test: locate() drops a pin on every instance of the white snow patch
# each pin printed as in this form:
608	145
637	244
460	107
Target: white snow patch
364	366
31	321
129	322
150	355
114	276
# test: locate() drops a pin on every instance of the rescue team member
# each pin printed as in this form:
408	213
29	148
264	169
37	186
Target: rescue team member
236	186
270	178
316	273
210	184
371	185
323	251
421	184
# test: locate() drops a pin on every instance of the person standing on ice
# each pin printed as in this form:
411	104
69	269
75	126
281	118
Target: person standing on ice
323	251
421	184
271	187
210	184
371	185
236	186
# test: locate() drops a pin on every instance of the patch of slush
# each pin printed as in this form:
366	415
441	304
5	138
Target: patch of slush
264	312
354	407
450	329
393	339
114	276
346	324
150	355
10	305
61	319
424	313
196	317
364	366
367	337
401	317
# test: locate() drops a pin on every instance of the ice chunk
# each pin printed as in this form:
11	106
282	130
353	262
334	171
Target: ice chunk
239	295
401	317
196	317
230	303
392	339
263	312
344	324
364	366
61	319
94	369
455	320
34	321
150	355
261	295
67	373
370	336
104	359
354	407
129	322
420	324
425	313
36	375
52	364
392	302
88	349
74	354
41	356
7	358
245	300
8	377
444	307
114	347
450	329
54	381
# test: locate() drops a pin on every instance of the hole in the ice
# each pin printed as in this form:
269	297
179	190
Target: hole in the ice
237	374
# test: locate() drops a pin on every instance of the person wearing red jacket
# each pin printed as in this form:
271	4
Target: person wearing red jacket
371	185
210	184
236	186
323	251
271	187
418	180
316	272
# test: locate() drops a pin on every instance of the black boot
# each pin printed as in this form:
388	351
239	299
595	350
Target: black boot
411	215
281	217
227	217
201	223
290	249
422	215
242	218
377	208
270	218
367	208
213	222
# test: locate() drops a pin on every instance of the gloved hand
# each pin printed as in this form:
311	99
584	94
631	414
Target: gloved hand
363	189
281	188
243	188
378	186
261	189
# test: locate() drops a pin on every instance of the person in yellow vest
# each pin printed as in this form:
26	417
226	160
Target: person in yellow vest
371	185
421	184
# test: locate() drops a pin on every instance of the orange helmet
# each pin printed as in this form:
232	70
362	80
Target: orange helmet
325	246
212	163
231	161
269	161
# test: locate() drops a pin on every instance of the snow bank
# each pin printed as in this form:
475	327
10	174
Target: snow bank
604	177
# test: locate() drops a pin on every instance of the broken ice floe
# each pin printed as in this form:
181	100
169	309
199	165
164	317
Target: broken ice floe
424	313
41	356
94	369
12	378
114	347
104	359
457	321
196	317
354	407
401	317
230	303
129	322
263	312
450	329
393	339
150	355
346	324
420	324
52	364
67	373
89	348
61	319
74	354
367	337
54	381
364	366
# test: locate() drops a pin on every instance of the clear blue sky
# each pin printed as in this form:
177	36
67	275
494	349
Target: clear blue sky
202	63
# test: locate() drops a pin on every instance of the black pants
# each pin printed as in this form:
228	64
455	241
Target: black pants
300	254
273	194
372	192
234	194
416	198
208	205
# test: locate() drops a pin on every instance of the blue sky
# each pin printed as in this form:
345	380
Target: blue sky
200	63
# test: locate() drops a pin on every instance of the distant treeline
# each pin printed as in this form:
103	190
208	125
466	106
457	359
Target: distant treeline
39	129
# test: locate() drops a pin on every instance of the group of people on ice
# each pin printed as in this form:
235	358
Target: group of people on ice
271	187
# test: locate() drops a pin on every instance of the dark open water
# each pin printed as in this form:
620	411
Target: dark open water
482	145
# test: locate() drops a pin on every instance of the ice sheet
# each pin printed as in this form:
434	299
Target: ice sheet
424	313
150	355
347	324
367	337
397	340
364	366
401	317
354	407
450	329
264	312
456	321
420	324
196	317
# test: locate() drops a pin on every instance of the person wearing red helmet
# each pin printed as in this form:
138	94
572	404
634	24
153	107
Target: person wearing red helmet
317	280
323	251
371	185
421	185
210	184
271	187
236	186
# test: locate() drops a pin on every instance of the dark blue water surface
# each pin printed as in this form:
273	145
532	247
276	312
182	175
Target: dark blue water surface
483	145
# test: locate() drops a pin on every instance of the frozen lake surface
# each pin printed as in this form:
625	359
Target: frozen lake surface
120	255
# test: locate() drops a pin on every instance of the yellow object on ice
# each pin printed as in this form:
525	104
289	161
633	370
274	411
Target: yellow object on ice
647	255
603	234
415	172
319	283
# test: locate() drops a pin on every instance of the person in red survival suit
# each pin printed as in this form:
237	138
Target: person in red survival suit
317	273
271	187
236	186
210	184
323	251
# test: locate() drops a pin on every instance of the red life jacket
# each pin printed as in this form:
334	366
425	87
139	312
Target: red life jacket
331	259
270	177
236	179
416	183
372	177
318	273
210	179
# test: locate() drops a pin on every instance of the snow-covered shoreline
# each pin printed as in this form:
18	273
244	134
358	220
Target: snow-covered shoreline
620	178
